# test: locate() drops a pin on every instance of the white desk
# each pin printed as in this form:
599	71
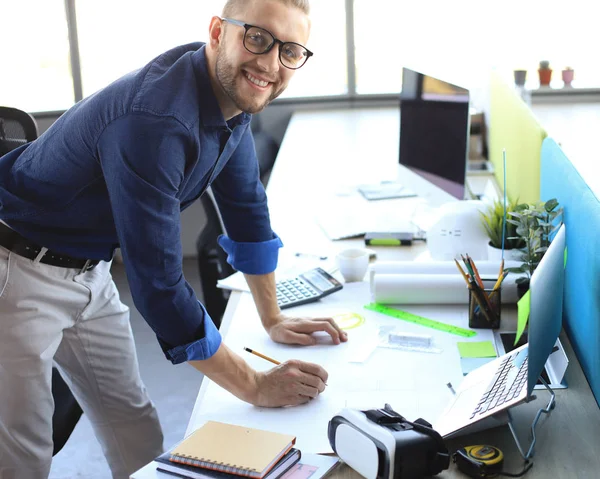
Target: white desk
323	153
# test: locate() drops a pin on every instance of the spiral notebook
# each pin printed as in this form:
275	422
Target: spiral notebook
239	450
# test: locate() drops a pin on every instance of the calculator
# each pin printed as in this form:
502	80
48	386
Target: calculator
307	287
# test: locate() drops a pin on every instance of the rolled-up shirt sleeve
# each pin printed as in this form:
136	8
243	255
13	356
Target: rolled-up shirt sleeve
143	158
251	245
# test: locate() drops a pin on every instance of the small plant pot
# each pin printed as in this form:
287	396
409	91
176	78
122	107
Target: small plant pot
545	76
520	77
567	77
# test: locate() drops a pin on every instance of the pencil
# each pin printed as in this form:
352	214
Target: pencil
501	268
499	282
476	272
260	355
480	283
462	273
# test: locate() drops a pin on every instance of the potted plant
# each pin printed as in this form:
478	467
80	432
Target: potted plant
535	225
567	76
493	219
545	73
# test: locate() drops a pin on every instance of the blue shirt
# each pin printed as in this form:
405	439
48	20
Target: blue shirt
117	169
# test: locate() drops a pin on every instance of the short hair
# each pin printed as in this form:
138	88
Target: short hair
233	6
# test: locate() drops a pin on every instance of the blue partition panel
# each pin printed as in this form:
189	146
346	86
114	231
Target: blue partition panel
560	180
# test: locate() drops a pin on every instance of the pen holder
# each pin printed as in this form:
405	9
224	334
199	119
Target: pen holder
481	314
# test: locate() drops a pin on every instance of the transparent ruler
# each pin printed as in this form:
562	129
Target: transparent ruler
413	318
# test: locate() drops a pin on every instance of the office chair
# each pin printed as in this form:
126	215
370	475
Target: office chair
266	148
212	260
16	129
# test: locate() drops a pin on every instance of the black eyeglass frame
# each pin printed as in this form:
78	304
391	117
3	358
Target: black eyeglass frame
276	41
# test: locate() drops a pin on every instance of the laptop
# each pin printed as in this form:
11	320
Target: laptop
510	379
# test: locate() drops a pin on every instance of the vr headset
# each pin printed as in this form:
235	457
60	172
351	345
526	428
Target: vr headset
381	444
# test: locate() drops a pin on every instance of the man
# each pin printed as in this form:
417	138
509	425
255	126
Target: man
115	170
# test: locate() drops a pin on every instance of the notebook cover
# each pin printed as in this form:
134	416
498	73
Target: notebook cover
164	464
233	449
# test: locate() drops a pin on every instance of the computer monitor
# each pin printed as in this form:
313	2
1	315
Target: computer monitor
434	131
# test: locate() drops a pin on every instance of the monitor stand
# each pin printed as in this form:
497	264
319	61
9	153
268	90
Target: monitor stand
547	410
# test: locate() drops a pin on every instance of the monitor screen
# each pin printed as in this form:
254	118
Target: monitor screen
434	131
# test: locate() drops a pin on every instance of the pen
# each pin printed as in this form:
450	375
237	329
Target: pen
260	355
451	388
322	258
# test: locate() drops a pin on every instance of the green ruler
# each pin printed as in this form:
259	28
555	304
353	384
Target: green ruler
413	318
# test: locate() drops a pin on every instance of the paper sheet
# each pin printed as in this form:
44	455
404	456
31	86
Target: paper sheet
523	307
413	383
476	349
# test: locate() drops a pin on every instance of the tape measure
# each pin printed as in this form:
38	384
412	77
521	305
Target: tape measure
420	320
484	461
479	461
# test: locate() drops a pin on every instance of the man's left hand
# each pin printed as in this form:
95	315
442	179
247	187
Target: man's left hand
290	330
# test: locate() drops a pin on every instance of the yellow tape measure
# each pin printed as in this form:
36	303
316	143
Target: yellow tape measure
479	461
348	320
420	320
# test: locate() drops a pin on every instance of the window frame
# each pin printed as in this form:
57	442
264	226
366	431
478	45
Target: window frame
350	96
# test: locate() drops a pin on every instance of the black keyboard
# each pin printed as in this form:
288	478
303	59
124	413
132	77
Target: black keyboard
507	384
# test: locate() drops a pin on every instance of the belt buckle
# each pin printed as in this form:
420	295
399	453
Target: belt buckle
88	265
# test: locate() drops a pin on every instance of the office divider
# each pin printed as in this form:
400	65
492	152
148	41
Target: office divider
514	127
560	180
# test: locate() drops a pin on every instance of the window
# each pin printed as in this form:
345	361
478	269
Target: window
117	36
461	41
458	41
36	73
325	73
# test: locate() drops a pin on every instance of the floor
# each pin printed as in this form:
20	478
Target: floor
172	388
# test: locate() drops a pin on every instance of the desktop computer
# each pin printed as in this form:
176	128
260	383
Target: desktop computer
434	135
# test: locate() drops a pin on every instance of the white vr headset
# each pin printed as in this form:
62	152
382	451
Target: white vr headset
381	444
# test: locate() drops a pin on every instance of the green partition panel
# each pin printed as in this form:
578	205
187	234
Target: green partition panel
514	127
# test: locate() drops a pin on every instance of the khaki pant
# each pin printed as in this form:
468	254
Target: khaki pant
76	319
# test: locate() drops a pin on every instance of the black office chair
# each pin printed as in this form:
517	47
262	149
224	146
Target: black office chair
16	129
212	260
266	148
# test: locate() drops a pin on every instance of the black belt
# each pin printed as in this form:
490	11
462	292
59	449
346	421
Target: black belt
16	243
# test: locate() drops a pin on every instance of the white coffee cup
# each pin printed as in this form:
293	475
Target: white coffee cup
353	263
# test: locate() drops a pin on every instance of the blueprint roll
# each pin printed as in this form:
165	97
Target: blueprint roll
487	268
429	289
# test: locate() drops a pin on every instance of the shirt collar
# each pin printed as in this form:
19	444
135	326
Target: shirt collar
210	112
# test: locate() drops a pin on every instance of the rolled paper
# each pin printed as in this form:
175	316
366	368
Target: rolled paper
430	289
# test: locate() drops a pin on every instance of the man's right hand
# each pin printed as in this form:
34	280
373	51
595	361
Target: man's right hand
291	383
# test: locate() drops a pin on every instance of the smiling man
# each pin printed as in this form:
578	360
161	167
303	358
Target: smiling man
115	171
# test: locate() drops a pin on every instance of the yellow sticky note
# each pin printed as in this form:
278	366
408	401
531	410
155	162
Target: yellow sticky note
523	315
476	349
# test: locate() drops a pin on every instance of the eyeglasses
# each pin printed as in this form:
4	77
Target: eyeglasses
260	42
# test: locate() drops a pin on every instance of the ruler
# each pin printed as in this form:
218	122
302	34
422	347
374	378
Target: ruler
420	320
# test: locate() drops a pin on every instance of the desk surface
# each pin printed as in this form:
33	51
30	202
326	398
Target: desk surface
310	166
